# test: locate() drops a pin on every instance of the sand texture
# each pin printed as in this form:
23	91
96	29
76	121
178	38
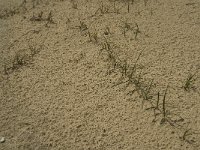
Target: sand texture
100	75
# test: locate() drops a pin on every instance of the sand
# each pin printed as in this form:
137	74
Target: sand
61	65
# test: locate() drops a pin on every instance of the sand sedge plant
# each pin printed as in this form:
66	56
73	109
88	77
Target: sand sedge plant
129	72
102	9
93	37
34	3
21	59
16	10
112	57
160	109
127	27
34	50
74	4
145	2
164	111
50	18
136	31
155	108
106	45
187	137
17	62
146	91
82	26
128	6
107	31
6	69
124	68
189	83
38	17
114	6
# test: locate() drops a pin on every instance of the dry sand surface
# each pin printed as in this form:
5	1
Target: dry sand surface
99	75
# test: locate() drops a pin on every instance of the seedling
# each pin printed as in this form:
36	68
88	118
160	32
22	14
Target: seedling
6	69
128	6
115	9
15	10
164	111
161	111
93	37
107	31
50	18
137	30
106	45
82	26
34	50
190	81
21	59
127	27
102	9
37	18
146	91
145	2
74	4
187	136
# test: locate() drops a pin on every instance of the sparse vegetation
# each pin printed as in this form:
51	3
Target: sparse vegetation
132	77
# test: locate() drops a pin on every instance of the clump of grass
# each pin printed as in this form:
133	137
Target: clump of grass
130	77
190	81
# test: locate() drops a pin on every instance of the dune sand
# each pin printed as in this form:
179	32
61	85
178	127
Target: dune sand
100	75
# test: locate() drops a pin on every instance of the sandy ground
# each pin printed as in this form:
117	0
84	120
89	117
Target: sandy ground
60	83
